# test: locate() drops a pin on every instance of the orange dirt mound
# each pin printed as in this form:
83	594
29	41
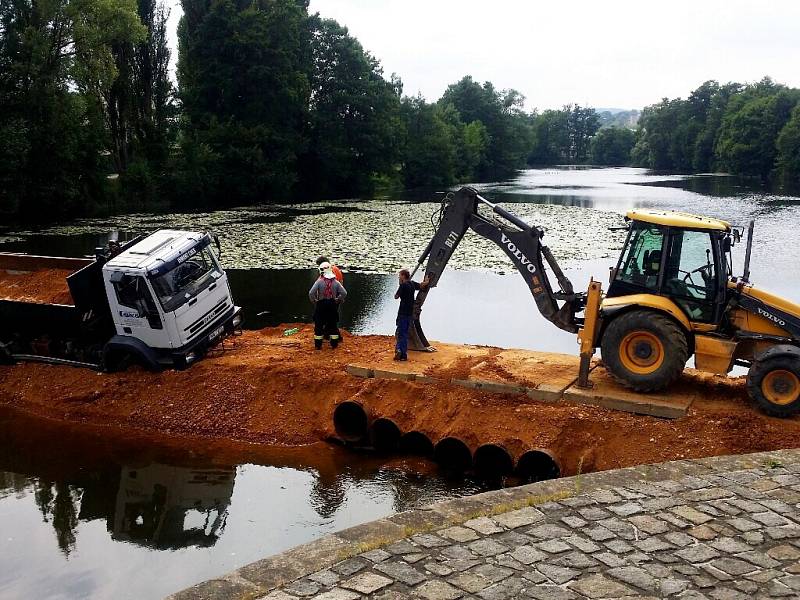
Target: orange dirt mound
277	390
46	286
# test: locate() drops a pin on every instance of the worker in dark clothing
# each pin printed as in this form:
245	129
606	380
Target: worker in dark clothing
405	293
326	294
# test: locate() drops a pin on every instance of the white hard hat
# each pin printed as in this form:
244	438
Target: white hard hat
326	266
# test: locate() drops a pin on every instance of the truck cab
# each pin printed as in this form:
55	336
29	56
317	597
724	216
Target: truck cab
169	299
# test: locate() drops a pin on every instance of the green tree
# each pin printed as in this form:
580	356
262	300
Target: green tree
501	114
703	157
657	147
562	136
54	55
612	146
243	70
749	129
582	124
139	107
429	153
551	138
788	145
354	116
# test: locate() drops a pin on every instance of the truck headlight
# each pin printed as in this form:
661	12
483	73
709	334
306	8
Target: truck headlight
237	320
190	358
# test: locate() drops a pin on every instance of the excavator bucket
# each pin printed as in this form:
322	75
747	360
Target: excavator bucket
416	337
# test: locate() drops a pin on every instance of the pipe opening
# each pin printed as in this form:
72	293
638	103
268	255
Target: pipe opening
384	434
538	465
452	454
493	462
416	444
350	421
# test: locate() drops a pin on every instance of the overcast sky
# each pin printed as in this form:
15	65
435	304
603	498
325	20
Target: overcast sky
624	54
613	54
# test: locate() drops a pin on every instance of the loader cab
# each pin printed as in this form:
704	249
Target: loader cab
683	257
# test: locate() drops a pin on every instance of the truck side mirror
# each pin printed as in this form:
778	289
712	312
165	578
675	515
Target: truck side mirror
218	245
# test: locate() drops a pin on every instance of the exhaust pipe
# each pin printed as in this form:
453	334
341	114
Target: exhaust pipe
452	454
350	421
416	444
384	435
538	465
492	461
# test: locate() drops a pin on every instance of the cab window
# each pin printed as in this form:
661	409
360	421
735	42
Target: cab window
642	261
132	292
690	277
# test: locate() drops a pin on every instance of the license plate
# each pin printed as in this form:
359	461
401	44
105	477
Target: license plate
216	333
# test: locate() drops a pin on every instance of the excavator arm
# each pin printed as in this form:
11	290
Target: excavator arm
521	242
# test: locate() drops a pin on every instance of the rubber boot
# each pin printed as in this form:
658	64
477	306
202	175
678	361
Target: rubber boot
317	344
334	342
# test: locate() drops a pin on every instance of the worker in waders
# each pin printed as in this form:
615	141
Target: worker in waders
405	313
326	294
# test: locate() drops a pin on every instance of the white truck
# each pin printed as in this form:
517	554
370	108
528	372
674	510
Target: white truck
161	301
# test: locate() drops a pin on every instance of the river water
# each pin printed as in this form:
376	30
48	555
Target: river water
89	513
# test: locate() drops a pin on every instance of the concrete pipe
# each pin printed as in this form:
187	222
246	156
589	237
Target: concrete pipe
384	435
416	444
538	465
492	461
452	454
350	421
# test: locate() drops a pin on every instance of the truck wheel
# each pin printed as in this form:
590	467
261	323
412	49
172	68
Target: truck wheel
117	362
644	351
774	385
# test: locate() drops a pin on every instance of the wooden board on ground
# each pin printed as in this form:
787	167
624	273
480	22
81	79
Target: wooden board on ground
541	376
671	404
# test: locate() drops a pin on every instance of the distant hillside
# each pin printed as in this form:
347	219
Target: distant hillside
617	117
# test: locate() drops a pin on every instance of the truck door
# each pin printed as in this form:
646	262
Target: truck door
137	314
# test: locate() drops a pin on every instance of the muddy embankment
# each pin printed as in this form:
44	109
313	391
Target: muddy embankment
276	390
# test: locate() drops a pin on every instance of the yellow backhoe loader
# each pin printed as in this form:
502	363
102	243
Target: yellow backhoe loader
672	294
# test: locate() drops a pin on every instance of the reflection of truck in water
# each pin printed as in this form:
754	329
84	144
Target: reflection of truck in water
172	507
159	301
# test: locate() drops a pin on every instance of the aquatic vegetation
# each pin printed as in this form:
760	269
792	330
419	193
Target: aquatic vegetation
368	236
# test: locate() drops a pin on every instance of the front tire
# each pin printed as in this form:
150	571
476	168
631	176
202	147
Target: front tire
644	350
774	385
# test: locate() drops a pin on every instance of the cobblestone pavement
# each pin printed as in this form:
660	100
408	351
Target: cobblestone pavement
724	528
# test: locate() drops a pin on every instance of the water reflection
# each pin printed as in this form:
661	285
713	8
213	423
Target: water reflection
165	506
80	502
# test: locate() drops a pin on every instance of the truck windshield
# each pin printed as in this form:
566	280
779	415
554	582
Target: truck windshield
182	283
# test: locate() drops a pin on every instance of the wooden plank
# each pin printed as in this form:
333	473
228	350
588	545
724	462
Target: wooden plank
490	386
664	405
358	371
399	375
546	392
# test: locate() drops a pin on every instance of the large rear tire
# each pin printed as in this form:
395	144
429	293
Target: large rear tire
644	351
774	385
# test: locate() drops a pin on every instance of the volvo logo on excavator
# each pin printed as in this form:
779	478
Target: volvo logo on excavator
517	253
771	317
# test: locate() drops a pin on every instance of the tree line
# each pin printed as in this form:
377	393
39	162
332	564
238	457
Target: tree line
273	103
741	129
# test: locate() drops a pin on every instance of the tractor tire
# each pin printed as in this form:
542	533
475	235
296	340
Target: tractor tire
774	385
644	351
